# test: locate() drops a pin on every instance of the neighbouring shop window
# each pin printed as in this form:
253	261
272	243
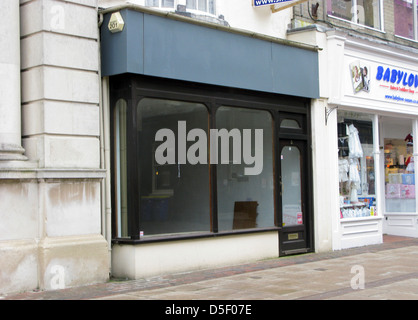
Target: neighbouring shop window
364	12
174	196
405	13
246	200
399	175
356	166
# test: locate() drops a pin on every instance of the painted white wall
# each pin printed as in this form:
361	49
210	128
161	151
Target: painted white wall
152	259
262	20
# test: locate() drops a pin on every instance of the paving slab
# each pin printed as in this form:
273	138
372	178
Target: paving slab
379	272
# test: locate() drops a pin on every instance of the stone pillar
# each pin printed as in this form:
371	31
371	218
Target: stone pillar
10	119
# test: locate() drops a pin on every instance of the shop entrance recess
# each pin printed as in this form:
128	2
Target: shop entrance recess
294	207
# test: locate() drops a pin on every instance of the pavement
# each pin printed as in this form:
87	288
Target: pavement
388	271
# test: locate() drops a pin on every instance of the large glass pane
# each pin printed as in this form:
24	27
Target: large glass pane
404	19
291	185
174	172
121	202
245	199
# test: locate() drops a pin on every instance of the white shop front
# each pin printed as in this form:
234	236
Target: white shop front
373	107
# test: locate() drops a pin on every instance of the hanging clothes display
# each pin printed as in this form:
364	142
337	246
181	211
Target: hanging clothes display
343	169
354	145
355	152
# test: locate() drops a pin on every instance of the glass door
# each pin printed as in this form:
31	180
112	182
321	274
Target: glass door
293	191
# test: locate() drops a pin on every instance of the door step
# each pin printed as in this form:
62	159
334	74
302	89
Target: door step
296	251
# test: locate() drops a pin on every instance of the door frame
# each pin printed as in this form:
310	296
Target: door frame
300	138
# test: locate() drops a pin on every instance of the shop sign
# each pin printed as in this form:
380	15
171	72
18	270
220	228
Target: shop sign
259	3
386	83
401	85
277	5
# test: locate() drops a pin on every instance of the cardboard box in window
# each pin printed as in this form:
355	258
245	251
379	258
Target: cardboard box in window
389	171
395	178
407	191
408	178
245	215
393	191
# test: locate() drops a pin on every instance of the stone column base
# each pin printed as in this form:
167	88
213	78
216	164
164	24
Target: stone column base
10	152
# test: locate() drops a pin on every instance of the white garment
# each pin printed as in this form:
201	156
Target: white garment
343	169
354	173
354	145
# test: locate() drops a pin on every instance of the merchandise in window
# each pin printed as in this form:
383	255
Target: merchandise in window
364	12
399	175
356	166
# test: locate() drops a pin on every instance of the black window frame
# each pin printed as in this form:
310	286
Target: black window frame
132	88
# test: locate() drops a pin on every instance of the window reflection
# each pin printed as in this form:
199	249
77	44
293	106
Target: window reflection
174	196
291	186
246	201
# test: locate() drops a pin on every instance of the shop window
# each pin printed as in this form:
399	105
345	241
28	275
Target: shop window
186	164
356	166
174	194
405	12
399	175
364	12
120	133
246	201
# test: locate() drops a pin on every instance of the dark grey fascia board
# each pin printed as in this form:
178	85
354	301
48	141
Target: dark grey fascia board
174	16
